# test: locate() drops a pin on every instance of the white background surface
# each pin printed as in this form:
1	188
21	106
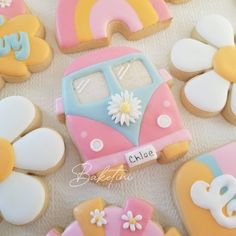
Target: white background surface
152	183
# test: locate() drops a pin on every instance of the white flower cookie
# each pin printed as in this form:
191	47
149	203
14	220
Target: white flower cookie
208	64
25	149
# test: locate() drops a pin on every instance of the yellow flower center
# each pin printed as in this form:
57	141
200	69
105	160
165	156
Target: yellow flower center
7	159
98	218
132	221
225	63
125	107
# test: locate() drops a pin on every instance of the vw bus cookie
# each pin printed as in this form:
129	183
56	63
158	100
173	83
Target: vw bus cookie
12	8
120	112
23	157
88	24
205	190
95	218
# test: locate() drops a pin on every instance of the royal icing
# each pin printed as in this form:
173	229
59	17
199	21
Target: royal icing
212	61
134	219
25	151
205	191
140	126
12	8
215	197
138	16
21	47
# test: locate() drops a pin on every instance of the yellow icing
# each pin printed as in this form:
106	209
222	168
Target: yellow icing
225	63
83	217
7	159
145	12
82	23
198	221
40	51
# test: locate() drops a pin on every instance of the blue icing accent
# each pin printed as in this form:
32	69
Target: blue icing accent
19	43
98	110
209	160
2	20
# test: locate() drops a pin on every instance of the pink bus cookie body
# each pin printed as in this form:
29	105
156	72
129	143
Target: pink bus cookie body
120	111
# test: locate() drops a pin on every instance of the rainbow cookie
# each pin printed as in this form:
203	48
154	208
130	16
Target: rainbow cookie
207	62
205	190
12	8
22	48
116	92
24	197
94	218
88	24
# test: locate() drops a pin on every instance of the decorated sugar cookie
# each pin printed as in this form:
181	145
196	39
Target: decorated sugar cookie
25	149
208	64
12	8
22	48
120	112
88	24
205	190
95	218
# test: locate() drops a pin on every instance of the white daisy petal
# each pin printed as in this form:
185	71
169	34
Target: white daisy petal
132	227
189	55
104	222
125	217
93	220
233	99
207	92
130	214
216	30
126	225
138	217
99	223
138	226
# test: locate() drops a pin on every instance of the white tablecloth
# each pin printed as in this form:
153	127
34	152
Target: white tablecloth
152	183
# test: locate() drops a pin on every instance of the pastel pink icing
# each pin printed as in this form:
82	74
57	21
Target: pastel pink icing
99	56
65	23
114	227
17	8
162	9
99	22
226	158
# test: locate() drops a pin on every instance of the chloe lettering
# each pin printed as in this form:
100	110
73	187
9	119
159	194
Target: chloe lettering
17	42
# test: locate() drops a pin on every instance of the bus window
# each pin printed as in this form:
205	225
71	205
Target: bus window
132	75
91	88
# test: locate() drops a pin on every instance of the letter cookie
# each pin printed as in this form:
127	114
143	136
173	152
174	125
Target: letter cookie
205	190
208	64
94	218
120	112
22	48
88	24
25	149
12	8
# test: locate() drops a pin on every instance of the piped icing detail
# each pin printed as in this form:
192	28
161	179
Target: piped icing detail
124	108
215	197
5	3
132	222
98	218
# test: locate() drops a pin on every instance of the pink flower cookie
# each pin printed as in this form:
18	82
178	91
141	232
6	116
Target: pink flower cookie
120	112
207	62
25	151
88	24
95	218
205	190
12	8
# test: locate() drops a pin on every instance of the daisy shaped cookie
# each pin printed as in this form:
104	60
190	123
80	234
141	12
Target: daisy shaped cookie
22	48
25	149
208	64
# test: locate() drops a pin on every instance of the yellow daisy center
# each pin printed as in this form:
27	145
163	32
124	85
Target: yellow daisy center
132	221
98	218
7	159
125	107
225	63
